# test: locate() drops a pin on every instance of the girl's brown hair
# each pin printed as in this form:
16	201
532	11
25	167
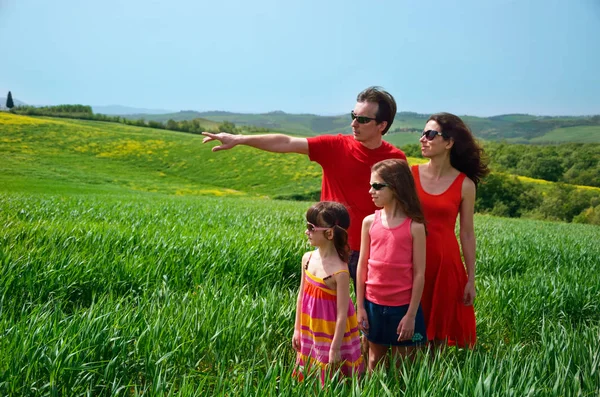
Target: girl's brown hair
466	155
396	174
333	215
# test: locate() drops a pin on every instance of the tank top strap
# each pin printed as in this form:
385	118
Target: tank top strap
376	219
456	186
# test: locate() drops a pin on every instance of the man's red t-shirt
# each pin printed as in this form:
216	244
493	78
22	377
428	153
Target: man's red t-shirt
346	167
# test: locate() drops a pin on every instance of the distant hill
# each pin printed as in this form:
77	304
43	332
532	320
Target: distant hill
119	110
514	128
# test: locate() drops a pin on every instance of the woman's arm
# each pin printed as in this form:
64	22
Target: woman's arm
467	237
406	327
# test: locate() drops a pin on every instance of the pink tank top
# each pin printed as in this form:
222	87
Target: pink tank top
390	267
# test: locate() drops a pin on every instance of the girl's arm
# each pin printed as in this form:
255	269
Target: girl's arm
297	322
406	327
361	273
342	281
467	237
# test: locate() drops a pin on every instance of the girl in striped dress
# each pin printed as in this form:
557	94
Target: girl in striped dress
326	335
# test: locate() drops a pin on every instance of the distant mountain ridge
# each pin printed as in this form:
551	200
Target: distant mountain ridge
515	128
120	110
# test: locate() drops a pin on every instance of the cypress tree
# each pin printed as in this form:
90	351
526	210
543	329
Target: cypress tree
9	101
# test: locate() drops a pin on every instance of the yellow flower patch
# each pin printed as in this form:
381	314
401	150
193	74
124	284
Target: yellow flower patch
129	147
17	119
208	192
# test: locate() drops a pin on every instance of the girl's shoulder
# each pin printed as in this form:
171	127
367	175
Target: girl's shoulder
340	272
417	227
306	257
368	219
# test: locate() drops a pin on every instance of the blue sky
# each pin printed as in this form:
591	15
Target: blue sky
473	57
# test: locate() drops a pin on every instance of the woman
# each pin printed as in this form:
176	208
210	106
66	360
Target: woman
446	187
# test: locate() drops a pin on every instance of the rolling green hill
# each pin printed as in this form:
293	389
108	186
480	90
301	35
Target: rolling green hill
42	154
580	134
45	154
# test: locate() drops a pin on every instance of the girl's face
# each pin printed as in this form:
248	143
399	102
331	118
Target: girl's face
380	192
436	146
318	235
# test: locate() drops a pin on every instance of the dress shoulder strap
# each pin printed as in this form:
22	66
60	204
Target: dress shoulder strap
456	185
308	260
416	176
341	271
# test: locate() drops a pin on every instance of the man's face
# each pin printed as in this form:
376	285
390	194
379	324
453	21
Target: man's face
369	132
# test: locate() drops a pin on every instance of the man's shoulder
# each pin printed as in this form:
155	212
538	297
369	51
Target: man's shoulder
391	151
328	139
328	148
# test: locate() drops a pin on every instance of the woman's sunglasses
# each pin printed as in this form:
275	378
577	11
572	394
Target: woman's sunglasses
361	119
431	134
312	228
378	186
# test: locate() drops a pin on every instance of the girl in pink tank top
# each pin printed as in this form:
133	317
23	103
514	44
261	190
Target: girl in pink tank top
391	266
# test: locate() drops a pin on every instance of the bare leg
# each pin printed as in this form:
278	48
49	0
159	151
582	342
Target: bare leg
437	346
401	353
376	353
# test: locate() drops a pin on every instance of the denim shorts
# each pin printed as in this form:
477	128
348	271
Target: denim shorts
383	325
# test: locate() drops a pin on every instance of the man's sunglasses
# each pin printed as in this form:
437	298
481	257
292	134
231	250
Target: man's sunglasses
431	134
312	228
361	119
378	186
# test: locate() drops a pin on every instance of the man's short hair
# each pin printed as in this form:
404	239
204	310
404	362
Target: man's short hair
386	110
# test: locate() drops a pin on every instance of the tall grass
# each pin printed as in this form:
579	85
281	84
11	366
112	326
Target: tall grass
174	295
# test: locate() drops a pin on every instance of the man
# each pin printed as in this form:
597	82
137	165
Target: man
346	159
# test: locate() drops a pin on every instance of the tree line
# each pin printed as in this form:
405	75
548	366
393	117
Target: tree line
502	193
84	112
572	163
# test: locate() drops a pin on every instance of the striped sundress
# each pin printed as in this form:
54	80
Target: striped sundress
318	319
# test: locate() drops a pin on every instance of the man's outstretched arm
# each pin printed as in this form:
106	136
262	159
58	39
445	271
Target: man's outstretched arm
277	143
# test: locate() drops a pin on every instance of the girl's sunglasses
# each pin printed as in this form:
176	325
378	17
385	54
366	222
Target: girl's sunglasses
312	228
378	186
361	119
431	134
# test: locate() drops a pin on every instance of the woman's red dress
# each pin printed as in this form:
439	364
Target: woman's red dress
446	316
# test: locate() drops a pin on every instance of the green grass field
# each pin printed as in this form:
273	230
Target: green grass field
132	264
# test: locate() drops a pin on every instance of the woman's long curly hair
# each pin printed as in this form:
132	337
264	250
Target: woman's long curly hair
466	155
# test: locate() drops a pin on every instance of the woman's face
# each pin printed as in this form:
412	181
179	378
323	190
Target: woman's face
436	146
